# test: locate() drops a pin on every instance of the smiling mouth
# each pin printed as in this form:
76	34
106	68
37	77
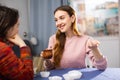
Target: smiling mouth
61	26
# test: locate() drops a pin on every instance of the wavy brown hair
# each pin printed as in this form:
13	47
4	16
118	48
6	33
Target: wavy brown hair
61	37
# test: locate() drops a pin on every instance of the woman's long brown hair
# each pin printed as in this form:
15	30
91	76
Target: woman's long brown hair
61	37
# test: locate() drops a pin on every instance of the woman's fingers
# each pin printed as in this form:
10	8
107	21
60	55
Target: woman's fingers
93	43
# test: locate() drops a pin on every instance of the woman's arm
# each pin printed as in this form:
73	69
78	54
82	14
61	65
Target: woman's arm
97	58
48	63
15	68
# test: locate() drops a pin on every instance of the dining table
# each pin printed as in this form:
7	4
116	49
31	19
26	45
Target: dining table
87	74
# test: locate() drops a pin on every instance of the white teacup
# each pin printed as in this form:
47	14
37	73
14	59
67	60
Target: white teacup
44	73
55	78
67	76
72	75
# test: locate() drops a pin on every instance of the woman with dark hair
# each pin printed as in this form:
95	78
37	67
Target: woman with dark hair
12	67
69	46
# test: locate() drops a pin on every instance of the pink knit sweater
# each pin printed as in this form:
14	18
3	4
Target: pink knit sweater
75	53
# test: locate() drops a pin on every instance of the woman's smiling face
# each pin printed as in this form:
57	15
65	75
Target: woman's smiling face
63	21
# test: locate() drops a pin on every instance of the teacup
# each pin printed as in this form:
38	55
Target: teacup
44	73
74	74
47	54
67	76
55	78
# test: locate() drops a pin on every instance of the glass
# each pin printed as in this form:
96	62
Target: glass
47	54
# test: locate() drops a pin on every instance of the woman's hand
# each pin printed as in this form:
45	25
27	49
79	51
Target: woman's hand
48	64
47	55
93	45
17	40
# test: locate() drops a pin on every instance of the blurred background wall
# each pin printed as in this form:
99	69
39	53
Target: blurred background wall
37	20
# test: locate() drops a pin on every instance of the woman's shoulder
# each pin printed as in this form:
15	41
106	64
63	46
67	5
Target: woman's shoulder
3	45
52	36
84	37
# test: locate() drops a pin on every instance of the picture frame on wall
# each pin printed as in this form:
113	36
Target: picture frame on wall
97	17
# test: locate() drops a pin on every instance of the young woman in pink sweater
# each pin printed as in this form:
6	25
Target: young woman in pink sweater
69	46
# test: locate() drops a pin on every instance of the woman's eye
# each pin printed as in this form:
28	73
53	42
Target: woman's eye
62	17
55	20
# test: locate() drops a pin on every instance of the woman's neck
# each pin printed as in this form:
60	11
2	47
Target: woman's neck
69	34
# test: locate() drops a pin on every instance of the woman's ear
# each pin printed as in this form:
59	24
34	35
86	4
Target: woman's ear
73	18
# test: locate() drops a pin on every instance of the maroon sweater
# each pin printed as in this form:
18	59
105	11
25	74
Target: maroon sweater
12	67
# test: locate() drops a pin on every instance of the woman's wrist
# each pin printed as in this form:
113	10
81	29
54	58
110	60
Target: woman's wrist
97	54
